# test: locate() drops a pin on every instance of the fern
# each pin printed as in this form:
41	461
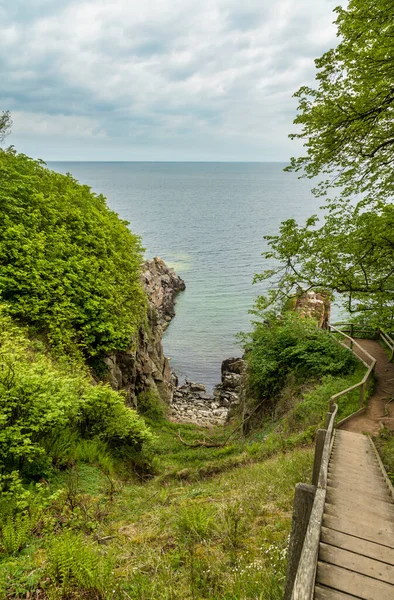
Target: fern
15	532
75	565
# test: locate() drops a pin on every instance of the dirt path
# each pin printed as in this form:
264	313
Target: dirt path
380	410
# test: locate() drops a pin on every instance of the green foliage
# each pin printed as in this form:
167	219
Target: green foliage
291	344
347	120
151	405
5	124
76	565
349	139
385	445
69	267
15	532
46	411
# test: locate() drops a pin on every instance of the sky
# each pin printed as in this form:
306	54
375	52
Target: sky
159	80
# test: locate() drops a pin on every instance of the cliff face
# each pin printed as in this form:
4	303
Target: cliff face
143	365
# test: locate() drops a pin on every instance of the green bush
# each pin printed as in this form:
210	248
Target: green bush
41	402
291	345
151	405
69	266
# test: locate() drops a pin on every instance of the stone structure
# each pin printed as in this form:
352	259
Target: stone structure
315	305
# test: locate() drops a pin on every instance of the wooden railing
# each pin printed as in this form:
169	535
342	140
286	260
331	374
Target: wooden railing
304	582
309	500
368	361
388	340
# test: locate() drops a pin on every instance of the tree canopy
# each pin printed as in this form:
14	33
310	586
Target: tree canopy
348	127
347	121
69	267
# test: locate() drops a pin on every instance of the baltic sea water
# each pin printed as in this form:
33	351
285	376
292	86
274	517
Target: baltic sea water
208	221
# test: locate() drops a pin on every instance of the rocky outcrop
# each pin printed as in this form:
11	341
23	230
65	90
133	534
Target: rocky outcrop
162	285
316	306
143	366
191	403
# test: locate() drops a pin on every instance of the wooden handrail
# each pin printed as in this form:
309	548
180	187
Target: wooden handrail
370	366
304	581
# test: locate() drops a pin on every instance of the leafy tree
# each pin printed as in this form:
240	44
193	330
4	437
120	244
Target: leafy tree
347	121
5	124
69	267
348	125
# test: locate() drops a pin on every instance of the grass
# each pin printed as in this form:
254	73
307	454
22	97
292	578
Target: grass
223	538
209	523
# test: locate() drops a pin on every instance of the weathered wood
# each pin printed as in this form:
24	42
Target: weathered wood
320	439
351	488
302	507
305	579
324	593
328	419
357	562
362	394
355	544
353	583
381	535
358	504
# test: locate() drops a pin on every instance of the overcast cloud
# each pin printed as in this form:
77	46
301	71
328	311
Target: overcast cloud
160	79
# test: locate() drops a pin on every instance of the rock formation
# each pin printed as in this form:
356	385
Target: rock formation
143	365
162	285
191	403
315	305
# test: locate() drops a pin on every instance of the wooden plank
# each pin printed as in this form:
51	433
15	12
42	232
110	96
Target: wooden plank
357	562
353	583
349	435
346	453
366	518
351	487
324	593
346	503
380	535
355	544
357	472
357	478
305	578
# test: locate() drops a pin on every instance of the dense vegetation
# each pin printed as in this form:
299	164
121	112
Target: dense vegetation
69	267
291	346
347	127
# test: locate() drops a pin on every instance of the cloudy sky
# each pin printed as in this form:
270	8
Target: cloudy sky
158	79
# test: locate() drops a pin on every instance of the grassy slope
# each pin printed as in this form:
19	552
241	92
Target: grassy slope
212	524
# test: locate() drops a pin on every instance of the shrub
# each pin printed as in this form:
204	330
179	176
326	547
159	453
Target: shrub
151	405
69	266
291	345
41	401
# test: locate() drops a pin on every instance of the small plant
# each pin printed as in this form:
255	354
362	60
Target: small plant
15	532
76	565
151	405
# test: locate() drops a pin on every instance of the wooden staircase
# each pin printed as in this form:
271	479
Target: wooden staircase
356	551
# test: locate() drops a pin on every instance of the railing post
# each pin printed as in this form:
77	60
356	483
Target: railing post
328	419
302	507
362	395
320	439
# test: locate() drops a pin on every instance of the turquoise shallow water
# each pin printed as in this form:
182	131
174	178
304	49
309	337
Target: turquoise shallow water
207	220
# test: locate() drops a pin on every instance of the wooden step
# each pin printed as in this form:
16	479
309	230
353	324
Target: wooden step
356	562
355	544
352	583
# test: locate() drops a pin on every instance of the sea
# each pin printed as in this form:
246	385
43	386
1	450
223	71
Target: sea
208	221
